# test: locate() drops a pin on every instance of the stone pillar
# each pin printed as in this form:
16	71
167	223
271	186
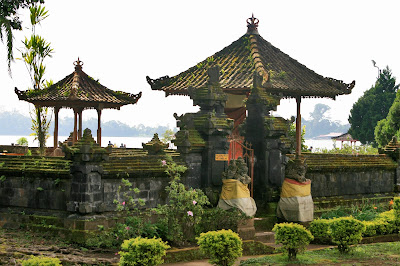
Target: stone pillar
214	127
267	135
99	126
56	110
190	145
75	134
86	173
80	124
203	135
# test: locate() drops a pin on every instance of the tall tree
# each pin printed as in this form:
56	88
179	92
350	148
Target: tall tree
36	50
389	126
9	21
372	107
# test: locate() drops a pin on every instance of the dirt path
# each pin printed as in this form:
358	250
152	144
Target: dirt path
15	245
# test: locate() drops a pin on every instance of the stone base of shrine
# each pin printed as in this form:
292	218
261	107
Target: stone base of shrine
246	229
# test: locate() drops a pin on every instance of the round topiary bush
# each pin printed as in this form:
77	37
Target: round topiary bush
396	208
143	251
41	261
293	237
346	231
319	228
223	246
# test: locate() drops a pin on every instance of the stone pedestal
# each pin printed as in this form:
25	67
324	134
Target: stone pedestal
246	229
86	171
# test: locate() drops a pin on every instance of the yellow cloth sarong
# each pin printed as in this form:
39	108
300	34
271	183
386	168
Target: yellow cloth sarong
292	188
234	189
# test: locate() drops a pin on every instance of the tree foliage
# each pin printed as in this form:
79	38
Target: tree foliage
9	21
36	50
389	126
372	107
292	136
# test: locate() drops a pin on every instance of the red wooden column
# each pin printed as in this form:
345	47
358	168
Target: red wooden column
99	126
75	133
298	127
56	110
80	124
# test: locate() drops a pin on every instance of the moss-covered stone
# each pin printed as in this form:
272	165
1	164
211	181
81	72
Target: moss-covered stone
346	162
155	146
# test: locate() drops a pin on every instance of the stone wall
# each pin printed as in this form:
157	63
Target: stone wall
54	193
335	175
331	184
152	191
35	193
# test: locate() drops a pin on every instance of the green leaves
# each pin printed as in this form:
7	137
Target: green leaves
293	237
372	107
346	231
143	251
36	50
37	14
223	246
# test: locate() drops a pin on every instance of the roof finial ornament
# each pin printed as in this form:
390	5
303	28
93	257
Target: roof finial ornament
78	64
252	25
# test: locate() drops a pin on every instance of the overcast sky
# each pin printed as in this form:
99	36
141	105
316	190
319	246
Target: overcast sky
120	42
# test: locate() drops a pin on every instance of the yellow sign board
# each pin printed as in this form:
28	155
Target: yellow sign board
221	157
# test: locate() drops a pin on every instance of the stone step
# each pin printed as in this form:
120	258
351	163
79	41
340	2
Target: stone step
263	224
265	237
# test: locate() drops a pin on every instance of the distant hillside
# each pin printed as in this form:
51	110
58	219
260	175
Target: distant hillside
321	124
322	127
14	123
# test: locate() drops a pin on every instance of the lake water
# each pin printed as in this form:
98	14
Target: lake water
136	142
130	142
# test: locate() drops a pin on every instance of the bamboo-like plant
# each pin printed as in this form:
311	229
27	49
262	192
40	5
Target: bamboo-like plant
35	50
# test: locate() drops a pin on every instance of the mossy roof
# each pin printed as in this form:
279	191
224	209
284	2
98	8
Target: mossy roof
281	74
121	163
317	162
78	90
137	163
34	166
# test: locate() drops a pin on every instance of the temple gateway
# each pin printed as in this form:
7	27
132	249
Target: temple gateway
244	82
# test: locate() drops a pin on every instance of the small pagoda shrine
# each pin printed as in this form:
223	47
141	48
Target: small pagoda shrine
255	75
345	137
78	91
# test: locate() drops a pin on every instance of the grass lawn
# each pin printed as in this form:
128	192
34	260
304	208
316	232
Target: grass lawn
371	254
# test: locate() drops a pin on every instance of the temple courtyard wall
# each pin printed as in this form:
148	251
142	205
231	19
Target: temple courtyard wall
47	183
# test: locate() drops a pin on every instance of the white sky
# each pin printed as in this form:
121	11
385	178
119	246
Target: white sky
120	42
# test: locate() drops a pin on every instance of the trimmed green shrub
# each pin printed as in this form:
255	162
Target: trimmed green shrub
223	246
293	237
386	223
396	208
319	228
370	228
346	231
41	261
143	251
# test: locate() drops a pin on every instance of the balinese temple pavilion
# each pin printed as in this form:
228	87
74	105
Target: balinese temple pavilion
78	91
251	63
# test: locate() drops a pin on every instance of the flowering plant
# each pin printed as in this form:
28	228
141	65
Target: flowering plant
185	206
